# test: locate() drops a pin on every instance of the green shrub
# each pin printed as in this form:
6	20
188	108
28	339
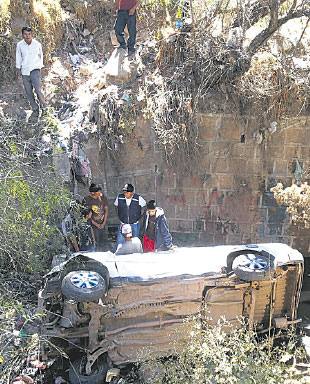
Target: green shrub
225	354
18	344
34	201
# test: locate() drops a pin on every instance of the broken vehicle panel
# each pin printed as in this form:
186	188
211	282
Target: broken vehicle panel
131	307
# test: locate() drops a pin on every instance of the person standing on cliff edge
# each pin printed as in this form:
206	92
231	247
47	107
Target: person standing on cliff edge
126	15
29	61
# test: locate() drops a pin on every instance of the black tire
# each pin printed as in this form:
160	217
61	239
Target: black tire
83	286
77	372
253	267
88	265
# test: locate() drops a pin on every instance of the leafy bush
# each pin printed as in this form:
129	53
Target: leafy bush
33	200
225	354
16	344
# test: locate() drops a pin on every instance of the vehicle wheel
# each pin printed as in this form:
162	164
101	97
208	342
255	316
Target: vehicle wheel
83	286
88	265
253	267
77	374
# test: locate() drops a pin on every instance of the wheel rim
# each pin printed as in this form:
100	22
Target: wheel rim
254	263
85	280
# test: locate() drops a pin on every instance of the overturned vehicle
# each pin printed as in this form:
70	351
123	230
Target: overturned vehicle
116	307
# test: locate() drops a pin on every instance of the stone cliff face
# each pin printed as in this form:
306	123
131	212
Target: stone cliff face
226	199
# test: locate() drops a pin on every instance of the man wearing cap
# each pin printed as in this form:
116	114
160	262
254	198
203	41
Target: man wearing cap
29	61
99	207
128	207
156	235
131	244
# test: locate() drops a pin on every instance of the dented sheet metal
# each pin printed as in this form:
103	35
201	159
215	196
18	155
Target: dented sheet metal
150	295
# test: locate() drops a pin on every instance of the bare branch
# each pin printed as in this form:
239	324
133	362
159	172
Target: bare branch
293	7
274	24
253	14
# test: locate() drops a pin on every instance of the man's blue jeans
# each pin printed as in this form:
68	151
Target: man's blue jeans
124	18
135	233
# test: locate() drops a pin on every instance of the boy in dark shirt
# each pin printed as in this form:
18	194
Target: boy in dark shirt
88	241
99	206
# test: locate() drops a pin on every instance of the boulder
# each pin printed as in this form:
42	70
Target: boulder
119	67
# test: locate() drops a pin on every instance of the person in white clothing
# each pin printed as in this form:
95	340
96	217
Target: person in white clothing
131	244
29	61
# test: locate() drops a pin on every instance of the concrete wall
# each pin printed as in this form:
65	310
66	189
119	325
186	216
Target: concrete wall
228	199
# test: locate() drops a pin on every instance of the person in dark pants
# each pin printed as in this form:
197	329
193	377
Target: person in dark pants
29	61
87	236
128	206
156	235
99	206
126	15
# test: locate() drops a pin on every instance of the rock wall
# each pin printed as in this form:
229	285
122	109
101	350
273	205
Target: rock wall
228	200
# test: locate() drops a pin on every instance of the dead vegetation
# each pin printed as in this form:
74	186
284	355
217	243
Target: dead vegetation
200	54
296	199
214	51
19	345
44	16
5	42
227	354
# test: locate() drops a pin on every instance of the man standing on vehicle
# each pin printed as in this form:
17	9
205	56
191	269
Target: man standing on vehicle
99	206
126	15
29	61
128	207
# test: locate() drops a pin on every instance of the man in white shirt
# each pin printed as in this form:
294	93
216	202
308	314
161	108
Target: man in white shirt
131	244
129	206
29	61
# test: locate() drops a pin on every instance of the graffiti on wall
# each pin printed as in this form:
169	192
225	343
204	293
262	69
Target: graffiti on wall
177	199
222	212
232	212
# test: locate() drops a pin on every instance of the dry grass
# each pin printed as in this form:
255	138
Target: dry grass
5	42
47	23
